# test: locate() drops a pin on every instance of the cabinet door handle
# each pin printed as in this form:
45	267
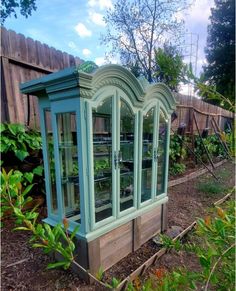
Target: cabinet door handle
156	155
117	159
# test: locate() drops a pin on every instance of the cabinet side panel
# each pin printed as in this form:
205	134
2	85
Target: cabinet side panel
150	224
115	245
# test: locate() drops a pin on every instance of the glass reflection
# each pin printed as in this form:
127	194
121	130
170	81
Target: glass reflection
162	136
127	122
148	127
102	154
66	123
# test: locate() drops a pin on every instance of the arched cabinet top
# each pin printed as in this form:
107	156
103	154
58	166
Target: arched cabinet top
72	83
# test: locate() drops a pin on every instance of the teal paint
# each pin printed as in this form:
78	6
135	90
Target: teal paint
71	90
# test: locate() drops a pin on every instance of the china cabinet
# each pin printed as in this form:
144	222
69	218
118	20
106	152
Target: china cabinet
105	147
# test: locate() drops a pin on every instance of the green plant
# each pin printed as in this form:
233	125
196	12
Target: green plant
211	187
100	164
114	283
100	274
14	138
177	150
176	169
50	239
215	248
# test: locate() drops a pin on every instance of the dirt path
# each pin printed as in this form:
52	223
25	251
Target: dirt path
186	202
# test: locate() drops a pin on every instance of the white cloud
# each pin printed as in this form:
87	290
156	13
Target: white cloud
86	52
200	11
103	61
102	4
100	61
97	18
82	30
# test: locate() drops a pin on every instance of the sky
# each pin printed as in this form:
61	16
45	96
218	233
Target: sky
75	27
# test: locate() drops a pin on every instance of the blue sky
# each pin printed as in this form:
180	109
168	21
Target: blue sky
74	26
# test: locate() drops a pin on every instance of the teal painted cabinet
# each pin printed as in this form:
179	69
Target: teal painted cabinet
105	147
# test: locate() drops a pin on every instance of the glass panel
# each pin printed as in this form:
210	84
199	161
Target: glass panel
148	127
102	153
51	161
161	151
69	165
127	121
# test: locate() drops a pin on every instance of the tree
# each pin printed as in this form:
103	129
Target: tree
220	51
170	66
9	7
135	28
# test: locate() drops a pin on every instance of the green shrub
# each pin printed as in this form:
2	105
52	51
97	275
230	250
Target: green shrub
215	249
14	138
177	169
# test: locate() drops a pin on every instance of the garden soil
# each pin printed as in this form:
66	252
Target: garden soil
24	268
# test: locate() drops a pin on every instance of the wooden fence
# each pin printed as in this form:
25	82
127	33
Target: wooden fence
23	59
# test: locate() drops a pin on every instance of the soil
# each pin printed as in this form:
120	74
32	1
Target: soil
24	268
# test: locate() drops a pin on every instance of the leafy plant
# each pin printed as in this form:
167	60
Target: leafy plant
100	273
114	283
14	138
215	249
50	239
177	169
177	150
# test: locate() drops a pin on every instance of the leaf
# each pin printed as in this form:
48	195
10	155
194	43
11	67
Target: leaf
27	189
56	265
29	177
2	127
204	262
38	170
21	228
21	154
74	232
16	128
38	246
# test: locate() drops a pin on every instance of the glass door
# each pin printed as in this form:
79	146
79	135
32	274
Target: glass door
148	154
127	163
161	153
69	168
103	145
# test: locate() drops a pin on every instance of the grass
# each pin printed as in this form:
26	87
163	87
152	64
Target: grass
211	187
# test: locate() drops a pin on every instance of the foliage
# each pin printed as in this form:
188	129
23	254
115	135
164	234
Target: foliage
215	249
57	239
211	187
212	144
9	7
135	28
176	169
88	67
114	283
220	51
14	138
170	66
100	273
177	150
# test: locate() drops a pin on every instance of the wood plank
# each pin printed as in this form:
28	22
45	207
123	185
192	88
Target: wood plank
9	92
94	256
136	233
164	218
146	217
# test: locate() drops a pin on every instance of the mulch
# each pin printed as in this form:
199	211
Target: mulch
186	203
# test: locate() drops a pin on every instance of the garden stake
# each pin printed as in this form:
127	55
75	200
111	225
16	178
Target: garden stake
198	158
206	150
